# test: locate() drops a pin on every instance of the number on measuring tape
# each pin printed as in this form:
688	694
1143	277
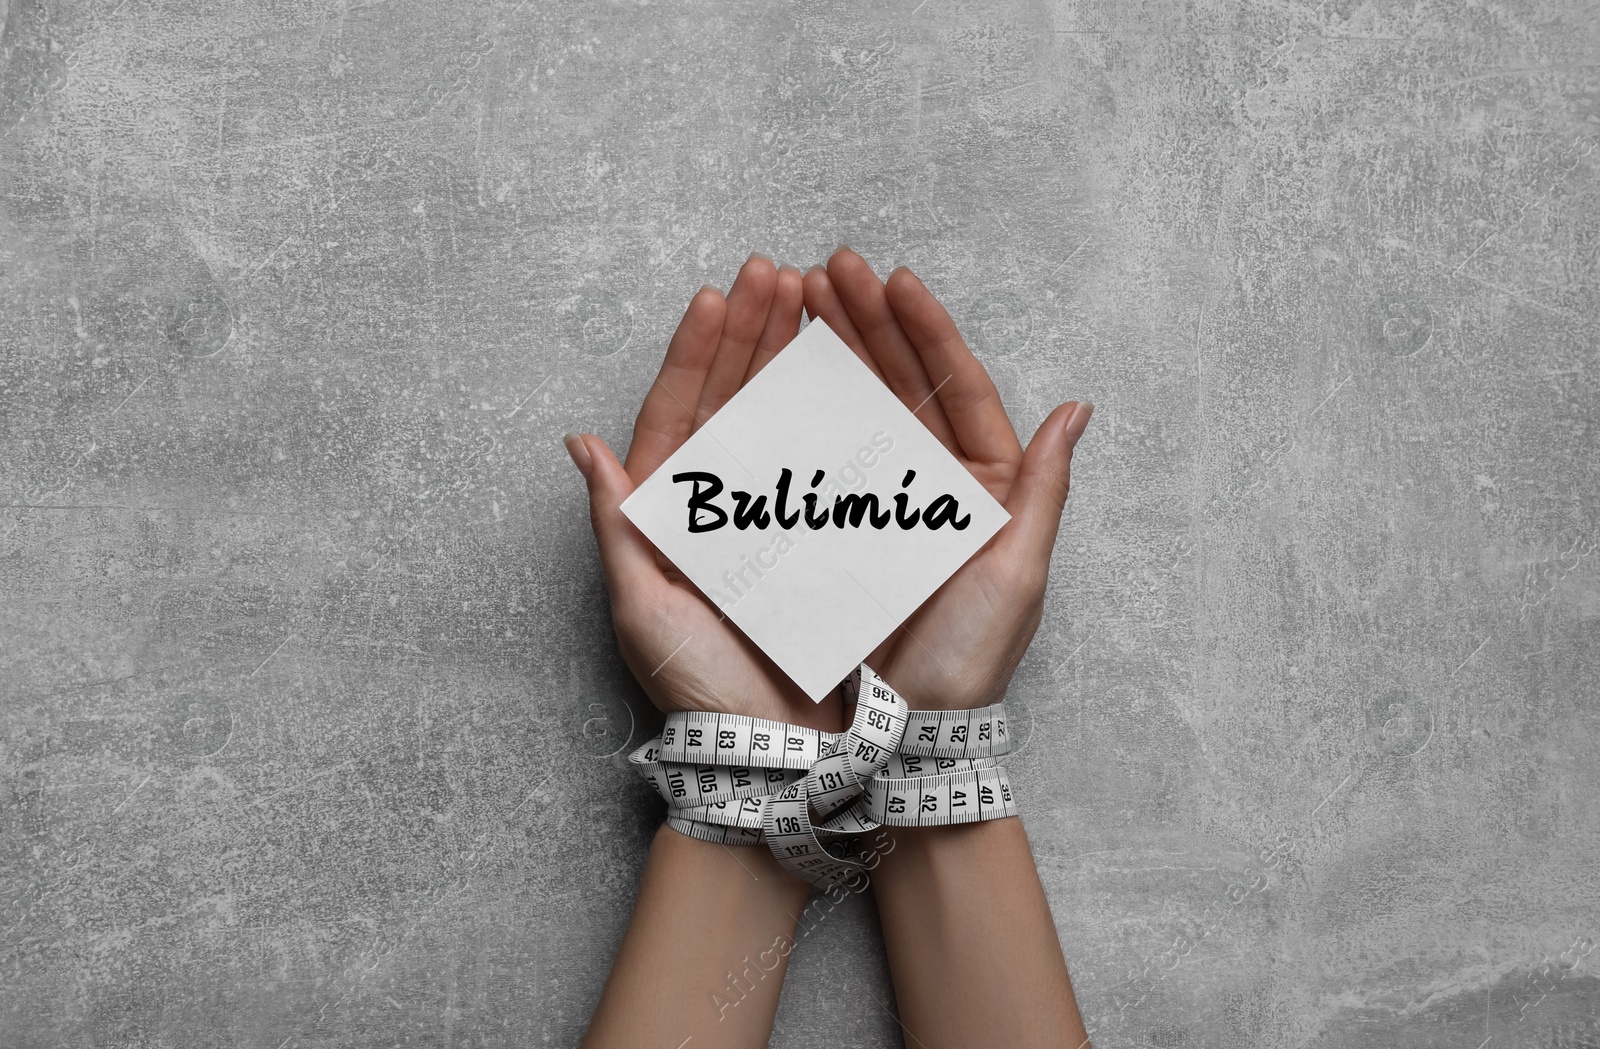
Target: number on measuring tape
954	734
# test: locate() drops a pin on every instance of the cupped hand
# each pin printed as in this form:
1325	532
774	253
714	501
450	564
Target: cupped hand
685	653
961	647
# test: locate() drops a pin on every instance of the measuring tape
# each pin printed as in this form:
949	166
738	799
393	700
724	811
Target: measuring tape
808	794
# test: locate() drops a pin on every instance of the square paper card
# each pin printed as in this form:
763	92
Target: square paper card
815	510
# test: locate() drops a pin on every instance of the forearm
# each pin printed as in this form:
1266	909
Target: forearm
972	945
706	950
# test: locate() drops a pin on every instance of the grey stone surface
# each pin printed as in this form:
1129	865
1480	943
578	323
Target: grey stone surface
310	703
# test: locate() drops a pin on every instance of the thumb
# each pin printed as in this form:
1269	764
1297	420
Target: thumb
625	554
1039	493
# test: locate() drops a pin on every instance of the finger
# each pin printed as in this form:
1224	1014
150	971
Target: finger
822	303
667	417
967	394
628	558
1039	493
783	321
863	296
749	303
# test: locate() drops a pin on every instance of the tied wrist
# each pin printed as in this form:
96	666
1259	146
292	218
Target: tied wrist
809	795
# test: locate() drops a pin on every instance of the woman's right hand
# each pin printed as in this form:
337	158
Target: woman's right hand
959	650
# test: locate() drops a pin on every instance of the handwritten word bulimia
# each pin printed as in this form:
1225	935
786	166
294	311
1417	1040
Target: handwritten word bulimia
849	511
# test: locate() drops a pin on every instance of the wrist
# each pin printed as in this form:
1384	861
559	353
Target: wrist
927	685
736	868
826	716
682	685
946	861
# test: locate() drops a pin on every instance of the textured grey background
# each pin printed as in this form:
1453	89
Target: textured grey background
309	692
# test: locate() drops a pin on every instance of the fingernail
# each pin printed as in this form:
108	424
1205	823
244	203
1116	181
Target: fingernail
754	255
1078	422
843	247
579	453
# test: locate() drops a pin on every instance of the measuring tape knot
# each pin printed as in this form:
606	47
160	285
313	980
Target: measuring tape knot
809	795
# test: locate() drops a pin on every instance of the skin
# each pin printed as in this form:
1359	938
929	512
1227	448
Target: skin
963	975
710	920
719	345
982	619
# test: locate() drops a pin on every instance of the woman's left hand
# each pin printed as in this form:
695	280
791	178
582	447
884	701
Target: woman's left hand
686	654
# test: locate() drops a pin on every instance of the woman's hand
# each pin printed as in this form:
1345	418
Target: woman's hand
686	654
961	647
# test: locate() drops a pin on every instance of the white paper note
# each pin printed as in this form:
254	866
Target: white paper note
816	600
